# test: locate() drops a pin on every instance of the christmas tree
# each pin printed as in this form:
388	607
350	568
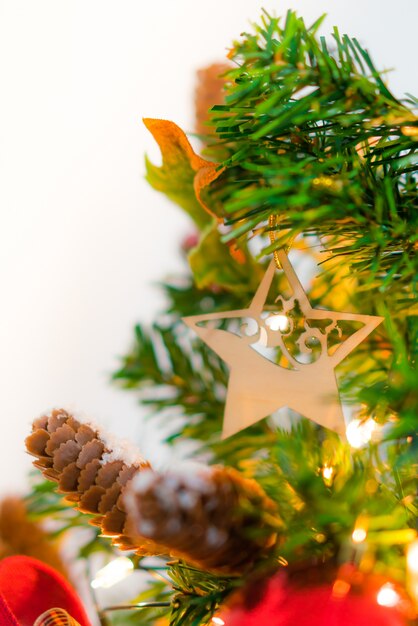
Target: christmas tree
307	173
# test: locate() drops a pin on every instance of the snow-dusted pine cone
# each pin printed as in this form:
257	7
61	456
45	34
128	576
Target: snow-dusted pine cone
92	470
214	519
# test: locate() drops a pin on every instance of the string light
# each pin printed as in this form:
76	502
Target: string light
360	529
327	474
412	557
359	535
412	569
112	573
340	588
360	432
388	596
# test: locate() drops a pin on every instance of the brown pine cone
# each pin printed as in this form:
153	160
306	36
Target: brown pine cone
216	519
91	469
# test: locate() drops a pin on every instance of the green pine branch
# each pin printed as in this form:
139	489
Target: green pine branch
314	136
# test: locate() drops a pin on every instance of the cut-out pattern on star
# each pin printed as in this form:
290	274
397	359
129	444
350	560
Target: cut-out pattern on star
257	386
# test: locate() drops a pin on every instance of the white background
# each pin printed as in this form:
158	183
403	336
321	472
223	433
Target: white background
83	239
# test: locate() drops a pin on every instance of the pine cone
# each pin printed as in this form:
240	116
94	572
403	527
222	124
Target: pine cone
216	520
90	470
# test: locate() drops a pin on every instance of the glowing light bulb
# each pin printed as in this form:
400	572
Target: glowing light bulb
112	573
340	588
412	569
327	472
388	596
360	432
218	621
277	322
412	557
359	535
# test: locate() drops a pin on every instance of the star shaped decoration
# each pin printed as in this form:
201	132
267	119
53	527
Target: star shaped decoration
258	386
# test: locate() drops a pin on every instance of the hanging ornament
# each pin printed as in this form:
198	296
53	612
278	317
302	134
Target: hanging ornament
355	600
55	617
29	589
304	380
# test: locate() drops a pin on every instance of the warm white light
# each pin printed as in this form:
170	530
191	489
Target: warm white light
412	557
327	472
360	432
359	535
218	621
277	322
112	573
388	596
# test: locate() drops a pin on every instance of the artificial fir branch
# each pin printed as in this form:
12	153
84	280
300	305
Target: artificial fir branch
306	131
315	137
312	135
197	594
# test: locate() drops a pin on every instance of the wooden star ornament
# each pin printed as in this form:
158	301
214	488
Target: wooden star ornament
258	386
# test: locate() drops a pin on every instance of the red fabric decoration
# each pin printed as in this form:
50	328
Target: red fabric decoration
29	587
284	604
6	616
